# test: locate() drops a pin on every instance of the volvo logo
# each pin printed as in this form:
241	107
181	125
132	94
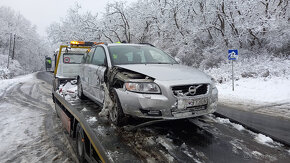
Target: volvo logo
192	89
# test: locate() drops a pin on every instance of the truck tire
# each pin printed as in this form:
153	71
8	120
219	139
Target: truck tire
80	89
116	114
80	143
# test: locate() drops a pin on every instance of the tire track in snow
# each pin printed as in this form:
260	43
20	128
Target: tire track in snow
49	144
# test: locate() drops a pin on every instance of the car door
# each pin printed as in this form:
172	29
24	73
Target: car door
97	74
86	72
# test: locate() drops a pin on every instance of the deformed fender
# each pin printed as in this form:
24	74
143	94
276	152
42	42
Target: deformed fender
108	103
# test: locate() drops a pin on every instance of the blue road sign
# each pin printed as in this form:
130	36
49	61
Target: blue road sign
233	54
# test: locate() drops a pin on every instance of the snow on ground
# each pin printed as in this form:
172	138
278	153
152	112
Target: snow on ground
259	91
84	109
14	68
227	121
5	84
261	85
92	119
258	137
23	131
262	139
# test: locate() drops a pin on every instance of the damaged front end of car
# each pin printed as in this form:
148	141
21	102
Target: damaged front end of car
142	96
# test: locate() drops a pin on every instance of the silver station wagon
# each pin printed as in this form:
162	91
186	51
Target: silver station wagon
142	81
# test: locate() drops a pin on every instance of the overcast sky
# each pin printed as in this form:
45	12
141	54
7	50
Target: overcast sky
43	12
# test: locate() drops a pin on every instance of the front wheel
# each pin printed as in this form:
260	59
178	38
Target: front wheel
117	116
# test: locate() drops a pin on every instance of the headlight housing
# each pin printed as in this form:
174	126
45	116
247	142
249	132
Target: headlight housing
143	87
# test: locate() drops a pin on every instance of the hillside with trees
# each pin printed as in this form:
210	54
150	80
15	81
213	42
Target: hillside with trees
19	40
198	32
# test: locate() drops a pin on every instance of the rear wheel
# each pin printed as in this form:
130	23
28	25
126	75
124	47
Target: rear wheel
80	89
117	116
80	144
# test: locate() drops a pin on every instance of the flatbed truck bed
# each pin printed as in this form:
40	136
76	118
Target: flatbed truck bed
102	140
202	139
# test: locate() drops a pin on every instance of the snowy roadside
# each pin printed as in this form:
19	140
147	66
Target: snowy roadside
15	69
29	129
259	87
271	96
6	84
259	92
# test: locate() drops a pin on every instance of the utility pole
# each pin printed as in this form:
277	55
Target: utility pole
9	50
13	50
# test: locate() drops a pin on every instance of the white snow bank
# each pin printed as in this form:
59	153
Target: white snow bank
15	68
256	153
260	138
260	91
227	121
252	67
5	84
260	81
92	119
84	109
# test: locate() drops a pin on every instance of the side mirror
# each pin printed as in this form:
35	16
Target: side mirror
177	60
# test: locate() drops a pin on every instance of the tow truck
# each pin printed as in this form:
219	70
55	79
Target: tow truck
75	114
203	139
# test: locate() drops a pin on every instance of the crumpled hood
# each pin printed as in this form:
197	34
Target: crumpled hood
166	72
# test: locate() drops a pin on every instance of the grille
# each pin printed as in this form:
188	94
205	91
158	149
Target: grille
190	90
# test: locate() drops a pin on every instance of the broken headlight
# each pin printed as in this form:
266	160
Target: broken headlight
143	87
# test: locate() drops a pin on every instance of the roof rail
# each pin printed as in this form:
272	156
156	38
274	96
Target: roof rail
145	43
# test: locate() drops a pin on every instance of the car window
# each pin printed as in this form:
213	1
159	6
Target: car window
72	58
99	56
89	56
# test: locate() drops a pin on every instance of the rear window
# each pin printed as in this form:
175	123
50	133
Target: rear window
72	58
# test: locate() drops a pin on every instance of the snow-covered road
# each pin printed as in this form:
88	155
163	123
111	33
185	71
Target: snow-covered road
29	129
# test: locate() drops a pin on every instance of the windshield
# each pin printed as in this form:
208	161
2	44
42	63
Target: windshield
138	55
72	58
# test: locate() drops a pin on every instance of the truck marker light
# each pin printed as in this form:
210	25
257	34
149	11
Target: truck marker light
77	42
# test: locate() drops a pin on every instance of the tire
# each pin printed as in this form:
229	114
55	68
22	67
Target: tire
116	114
80	90
80	144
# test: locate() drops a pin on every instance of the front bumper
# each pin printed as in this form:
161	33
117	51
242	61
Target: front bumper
159	106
